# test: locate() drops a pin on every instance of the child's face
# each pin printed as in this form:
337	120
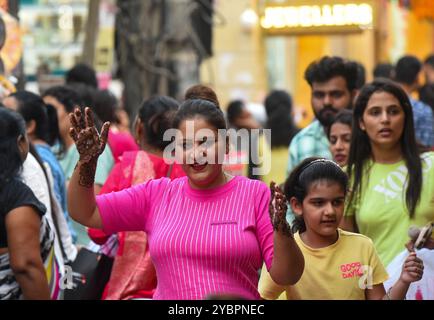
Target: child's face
322	208
202	152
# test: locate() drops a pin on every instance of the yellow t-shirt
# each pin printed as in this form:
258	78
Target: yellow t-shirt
341	271
272	166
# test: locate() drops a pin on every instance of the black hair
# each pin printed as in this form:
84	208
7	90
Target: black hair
309	171
360	150
32	107
205	109
426	95
329	67
429	60
105	106
361	74
234	110
12	125
277	99
157	115
344	116
82	73
70	100
68	97
86	93
384	70
278	106
407	70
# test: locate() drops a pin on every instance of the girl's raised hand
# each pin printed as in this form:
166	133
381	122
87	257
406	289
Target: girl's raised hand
278	207
412	269
90	144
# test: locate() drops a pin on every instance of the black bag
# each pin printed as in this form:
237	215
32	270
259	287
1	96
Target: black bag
90	274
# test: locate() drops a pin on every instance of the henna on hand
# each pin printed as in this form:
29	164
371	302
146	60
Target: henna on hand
278	208
87	173
90	144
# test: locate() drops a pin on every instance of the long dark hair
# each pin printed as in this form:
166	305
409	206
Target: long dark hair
32	107
278	105
360	150
12	125
68	97
105	106
307	172
233	111
157	115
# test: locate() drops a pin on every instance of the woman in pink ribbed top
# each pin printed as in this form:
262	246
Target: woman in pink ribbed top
209	233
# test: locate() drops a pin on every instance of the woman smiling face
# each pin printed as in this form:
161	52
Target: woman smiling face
201	150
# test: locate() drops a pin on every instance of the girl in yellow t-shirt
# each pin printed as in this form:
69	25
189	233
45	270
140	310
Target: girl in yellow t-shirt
339	264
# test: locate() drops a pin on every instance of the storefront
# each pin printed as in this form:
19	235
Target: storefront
295	34
54	35
268	44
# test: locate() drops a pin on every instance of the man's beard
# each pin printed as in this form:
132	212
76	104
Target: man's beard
327	114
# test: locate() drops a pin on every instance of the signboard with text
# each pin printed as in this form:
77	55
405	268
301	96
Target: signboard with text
312	17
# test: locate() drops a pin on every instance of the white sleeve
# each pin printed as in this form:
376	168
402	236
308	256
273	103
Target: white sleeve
34	178
65	235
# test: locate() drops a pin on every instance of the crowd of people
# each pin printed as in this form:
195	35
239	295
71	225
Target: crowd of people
323	215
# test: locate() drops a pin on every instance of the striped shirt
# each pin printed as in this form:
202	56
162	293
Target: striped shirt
202	242
16	194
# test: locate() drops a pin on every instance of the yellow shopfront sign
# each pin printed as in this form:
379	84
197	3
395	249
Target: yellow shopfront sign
317	18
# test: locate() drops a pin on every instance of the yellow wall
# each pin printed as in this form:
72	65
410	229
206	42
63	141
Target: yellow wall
359	47
405	33
420	36
237	69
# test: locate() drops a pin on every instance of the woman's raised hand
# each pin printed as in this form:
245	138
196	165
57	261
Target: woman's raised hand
278	208
90	144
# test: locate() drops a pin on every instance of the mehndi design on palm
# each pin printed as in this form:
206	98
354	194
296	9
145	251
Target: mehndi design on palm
90	144
278	207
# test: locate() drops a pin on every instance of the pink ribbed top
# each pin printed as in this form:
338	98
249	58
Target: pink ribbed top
201	241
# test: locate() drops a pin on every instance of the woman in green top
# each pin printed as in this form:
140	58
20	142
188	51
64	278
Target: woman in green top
392	181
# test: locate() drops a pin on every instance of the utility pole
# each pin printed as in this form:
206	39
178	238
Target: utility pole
91	34
139	28
158	50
